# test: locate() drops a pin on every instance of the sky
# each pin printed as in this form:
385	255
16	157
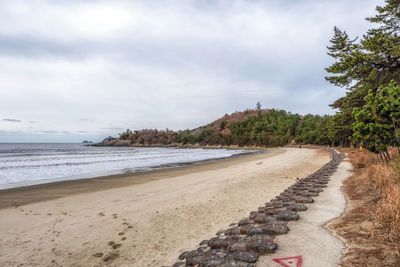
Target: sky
83	70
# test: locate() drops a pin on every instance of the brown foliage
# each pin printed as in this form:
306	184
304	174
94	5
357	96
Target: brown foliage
152	137
234	117
371	225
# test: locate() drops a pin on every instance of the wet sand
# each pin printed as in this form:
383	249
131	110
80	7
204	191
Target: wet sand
145	219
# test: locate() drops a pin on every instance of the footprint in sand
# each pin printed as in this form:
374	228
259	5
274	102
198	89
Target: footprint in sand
98	254
116	246
115	216
121	233
101	214
111	257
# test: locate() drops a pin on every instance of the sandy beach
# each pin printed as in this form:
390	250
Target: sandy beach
145	219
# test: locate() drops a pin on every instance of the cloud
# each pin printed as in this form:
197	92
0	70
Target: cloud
81	65
113	128
11	120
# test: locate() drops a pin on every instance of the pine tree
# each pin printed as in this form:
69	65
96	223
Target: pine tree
378	121
367	64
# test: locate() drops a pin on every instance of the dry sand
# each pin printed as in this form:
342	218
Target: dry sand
148	223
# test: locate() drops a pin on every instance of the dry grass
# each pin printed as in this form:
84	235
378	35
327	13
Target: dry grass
371	224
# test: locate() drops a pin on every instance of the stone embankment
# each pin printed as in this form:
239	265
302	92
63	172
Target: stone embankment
242	243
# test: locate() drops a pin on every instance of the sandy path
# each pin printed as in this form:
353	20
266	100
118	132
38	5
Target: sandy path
308	235
150	223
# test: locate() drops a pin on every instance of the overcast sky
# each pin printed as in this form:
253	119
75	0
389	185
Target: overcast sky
73	70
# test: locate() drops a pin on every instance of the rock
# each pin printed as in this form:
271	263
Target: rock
296	207
263	218
315	190
275	228
217	242
246	256
213	262
202	249
234	263
253	214
177	264
183	255
251	230
195	260
204	242
221	232
262	246
216	253
233	231
245	222
233	238
301	199
189	254
263	237
237	246
286	215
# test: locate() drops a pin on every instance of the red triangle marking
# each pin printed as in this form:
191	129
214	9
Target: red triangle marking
296	261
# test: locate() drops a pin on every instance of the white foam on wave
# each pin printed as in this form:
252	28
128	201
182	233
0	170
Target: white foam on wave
27	164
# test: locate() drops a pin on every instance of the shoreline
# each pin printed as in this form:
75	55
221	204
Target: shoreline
153	221
120	172
31	193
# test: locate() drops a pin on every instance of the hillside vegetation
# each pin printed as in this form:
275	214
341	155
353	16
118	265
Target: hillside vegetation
248	128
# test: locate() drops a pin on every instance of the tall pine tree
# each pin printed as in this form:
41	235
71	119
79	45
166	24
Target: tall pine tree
365	64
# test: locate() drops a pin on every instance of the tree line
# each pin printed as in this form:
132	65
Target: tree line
272	128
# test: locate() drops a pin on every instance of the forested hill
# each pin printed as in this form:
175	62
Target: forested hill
248	128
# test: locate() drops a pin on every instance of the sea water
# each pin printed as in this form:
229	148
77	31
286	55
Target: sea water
28	164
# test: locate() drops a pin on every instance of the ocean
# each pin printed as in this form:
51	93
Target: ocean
29	164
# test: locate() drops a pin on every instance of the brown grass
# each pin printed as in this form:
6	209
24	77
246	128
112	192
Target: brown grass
371	223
